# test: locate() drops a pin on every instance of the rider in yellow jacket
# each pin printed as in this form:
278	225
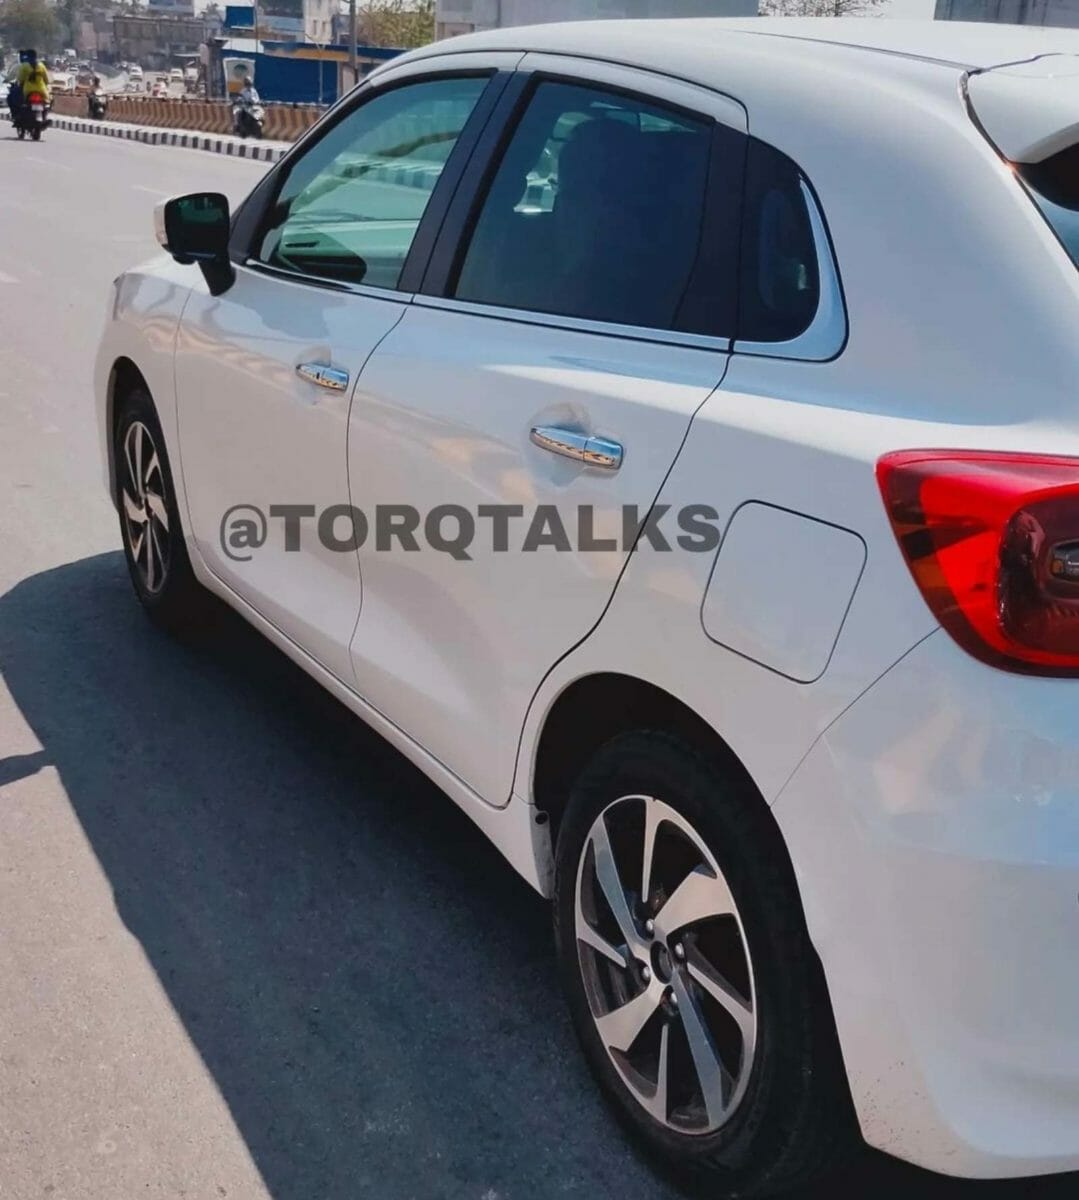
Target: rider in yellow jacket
33	77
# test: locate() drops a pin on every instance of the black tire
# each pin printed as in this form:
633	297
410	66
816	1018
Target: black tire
794	1122
35	133
20	133
175	600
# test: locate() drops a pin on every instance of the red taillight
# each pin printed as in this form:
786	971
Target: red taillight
36	98
992	541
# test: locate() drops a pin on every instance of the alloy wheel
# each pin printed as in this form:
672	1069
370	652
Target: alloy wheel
665	965
146	518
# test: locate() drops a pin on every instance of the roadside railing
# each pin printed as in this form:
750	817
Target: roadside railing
284	122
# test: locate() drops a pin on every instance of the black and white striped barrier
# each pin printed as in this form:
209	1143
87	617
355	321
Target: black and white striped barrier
152	136
419	175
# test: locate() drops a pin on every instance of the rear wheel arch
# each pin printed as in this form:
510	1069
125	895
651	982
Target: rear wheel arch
595	708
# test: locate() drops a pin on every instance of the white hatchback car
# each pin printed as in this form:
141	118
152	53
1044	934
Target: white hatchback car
665	434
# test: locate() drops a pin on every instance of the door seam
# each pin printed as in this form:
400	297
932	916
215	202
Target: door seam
527	793
348	483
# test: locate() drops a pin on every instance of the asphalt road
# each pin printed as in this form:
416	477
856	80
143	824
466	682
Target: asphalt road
245	949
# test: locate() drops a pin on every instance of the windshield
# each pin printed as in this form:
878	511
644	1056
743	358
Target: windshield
1054	184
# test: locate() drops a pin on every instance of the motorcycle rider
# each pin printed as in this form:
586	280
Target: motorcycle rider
33	76
95	99
246	100
248	96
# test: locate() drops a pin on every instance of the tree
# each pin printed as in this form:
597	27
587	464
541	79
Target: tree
399	23
818	8
26	23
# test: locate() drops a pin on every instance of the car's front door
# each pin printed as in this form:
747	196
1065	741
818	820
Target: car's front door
265	372
584	292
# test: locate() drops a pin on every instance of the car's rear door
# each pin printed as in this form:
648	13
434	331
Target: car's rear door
336	243
582	288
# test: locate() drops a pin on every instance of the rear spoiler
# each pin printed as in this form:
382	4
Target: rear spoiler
1029	110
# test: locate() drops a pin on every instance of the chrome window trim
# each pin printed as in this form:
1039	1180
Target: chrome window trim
333	285
526	316
826	334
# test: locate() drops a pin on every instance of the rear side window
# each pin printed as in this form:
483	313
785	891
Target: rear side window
1054	184
780	278
595	211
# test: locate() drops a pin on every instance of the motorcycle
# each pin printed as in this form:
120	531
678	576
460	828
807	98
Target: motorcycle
248	119
31	117
96	104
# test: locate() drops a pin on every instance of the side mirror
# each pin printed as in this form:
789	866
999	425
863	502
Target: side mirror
195	229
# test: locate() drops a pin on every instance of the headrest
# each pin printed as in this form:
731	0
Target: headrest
596	154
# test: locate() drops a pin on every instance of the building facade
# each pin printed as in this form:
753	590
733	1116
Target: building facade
454	17
318	21
93	35
159	41
1011	12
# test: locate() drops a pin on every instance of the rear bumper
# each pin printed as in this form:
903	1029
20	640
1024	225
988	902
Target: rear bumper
935	832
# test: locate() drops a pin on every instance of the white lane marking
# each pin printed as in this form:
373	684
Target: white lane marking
49	162
151	191
5	278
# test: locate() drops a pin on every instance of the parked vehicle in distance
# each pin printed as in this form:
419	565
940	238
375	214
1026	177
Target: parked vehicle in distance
775	323
176	75
62	83
135	72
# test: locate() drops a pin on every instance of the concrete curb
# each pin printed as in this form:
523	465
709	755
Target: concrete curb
213	142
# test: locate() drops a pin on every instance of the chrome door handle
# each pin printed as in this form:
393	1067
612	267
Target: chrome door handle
324	375
594	451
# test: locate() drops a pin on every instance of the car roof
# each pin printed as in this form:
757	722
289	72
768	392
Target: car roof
972	45
965	45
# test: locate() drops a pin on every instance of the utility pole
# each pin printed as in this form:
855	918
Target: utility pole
352	40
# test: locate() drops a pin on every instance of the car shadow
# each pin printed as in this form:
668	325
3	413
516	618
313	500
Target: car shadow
371	987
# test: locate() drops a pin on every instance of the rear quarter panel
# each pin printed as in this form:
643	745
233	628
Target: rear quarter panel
961	310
